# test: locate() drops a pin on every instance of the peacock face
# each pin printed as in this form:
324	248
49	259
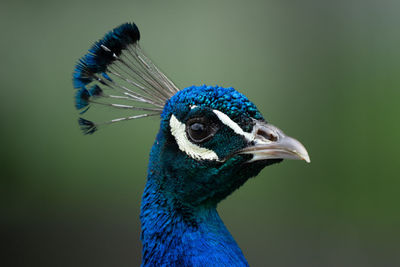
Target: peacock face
216	139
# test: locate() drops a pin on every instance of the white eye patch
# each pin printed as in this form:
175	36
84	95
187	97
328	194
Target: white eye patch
233	125
178	130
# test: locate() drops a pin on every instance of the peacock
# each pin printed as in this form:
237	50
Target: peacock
210	142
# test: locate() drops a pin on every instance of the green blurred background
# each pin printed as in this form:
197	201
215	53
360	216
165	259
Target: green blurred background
326	72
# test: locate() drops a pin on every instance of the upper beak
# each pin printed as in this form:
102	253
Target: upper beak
271	143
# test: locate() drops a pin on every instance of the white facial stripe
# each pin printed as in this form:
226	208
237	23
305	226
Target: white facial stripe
178	130
233	125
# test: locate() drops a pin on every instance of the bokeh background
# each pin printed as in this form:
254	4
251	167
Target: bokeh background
326	72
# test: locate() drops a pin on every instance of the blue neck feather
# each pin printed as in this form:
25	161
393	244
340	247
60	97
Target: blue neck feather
177	234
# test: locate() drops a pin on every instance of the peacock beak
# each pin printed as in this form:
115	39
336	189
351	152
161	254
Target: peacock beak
269	142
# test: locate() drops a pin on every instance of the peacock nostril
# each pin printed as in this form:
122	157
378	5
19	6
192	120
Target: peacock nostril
267	135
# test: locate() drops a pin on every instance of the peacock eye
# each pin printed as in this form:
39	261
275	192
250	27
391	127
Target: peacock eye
199	130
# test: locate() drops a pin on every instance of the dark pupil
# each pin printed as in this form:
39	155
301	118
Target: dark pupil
197	127
198	131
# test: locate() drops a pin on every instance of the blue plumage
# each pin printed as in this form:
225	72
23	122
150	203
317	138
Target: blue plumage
87	126
103	53
234	104
95	90
211	141
82	98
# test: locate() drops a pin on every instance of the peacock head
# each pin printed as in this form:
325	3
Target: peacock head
211	139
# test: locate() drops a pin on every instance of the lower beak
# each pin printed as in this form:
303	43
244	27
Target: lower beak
271	143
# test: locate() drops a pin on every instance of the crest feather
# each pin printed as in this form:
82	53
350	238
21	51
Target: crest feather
120	76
